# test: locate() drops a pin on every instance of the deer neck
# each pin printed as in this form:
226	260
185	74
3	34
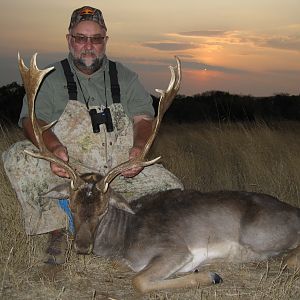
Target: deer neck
110	237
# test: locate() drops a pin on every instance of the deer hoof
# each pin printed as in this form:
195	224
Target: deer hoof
215	278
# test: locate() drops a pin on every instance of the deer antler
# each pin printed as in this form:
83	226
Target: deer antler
32	78
166	98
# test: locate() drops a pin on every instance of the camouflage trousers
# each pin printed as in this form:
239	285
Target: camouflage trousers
32	178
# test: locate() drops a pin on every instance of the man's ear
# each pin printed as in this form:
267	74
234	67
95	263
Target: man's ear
119	202
61	191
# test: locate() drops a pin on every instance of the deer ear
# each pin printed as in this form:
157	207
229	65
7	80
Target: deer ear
61	191
119	202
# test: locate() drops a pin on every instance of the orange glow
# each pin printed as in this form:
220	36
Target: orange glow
239	55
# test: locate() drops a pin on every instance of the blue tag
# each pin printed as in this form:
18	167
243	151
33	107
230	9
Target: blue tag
64	204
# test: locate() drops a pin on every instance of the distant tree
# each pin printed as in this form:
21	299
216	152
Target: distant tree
215	106
219	106
11	99
288	106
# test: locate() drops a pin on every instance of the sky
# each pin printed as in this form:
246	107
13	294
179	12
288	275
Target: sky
242	47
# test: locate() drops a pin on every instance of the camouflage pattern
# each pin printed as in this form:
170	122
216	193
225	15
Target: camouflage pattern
89	152
87	13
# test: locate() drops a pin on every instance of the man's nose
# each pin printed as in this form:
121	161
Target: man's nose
88	44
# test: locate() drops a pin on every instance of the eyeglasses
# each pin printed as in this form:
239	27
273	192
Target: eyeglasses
83	39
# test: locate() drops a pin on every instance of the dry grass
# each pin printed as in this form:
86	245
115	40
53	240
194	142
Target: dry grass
253	157
206	157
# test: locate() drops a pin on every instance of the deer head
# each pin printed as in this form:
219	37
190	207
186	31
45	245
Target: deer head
89	194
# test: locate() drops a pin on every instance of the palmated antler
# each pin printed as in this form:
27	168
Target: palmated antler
32	78
166	98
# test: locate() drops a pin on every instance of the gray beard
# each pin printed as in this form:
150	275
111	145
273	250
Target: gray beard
95	66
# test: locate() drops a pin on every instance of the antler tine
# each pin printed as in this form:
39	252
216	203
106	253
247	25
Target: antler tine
132	163
32	78
172	89
165	101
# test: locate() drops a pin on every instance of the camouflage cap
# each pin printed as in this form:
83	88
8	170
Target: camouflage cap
87	13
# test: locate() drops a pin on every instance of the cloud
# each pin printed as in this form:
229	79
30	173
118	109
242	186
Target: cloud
170	46
193	65
158	65
203	33
284	42
288	41
284	72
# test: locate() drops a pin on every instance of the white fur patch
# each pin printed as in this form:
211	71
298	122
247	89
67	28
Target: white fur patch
226	251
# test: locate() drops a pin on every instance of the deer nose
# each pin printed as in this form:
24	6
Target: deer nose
83	249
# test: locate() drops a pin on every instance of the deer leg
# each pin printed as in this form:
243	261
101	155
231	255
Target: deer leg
154	277
293	258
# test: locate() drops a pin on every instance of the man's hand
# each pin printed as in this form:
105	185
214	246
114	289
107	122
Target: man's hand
51	142
61	152
142	129
134	152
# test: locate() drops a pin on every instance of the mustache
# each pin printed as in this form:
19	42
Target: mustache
93	66
88	52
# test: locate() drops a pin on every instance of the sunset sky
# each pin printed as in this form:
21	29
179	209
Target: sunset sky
244	47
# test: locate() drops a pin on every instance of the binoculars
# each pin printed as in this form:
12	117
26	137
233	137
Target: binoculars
99	118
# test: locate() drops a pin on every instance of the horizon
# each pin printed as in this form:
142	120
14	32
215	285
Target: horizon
246	49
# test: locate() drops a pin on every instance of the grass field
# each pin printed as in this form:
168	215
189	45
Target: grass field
206	157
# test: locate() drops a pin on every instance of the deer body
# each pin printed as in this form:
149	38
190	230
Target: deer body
202	227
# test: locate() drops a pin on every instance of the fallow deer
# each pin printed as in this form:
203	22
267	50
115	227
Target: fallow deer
170	232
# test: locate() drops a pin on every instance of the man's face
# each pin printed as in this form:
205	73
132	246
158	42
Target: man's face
87	53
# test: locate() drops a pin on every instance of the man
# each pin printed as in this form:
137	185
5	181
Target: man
104	117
